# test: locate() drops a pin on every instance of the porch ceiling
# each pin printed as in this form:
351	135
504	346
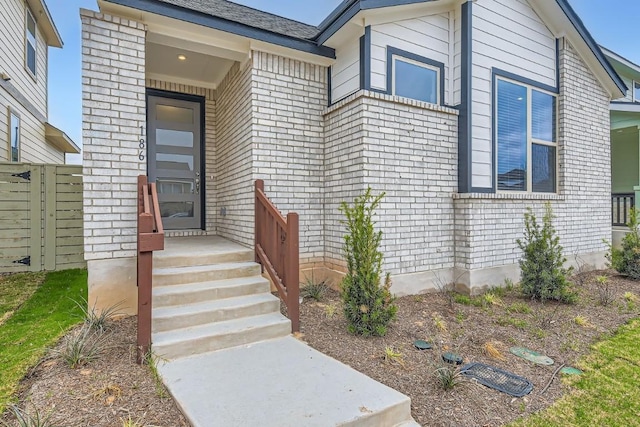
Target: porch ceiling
198	69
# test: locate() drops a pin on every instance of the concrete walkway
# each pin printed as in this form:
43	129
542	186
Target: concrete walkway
280	383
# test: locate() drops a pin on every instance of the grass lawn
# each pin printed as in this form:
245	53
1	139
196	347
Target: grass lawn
15	290
608	393
42	316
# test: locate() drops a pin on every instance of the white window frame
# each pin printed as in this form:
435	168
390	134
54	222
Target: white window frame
633	91
530	139
27	42
430	67
12	112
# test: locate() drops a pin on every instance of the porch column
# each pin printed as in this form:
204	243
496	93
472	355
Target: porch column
114	153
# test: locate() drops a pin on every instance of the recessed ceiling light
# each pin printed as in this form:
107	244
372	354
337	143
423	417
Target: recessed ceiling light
182	57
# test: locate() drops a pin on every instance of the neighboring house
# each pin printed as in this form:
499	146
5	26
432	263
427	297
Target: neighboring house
625	145
463	112
25	133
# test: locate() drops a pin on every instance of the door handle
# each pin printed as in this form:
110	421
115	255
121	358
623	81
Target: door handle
197	185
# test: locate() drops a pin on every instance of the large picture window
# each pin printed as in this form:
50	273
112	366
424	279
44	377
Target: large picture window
526	138
30	47
14	136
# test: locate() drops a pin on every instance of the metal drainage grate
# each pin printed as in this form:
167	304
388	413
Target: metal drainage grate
498	379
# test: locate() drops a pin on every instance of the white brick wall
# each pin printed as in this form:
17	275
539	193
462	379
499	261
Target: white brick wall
234	179
289	98
488	225
113	102
408	150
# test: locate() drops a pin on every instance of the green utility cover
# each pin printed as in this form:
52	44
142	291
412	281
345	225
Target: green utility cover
452	358
568	370
422	345
532	356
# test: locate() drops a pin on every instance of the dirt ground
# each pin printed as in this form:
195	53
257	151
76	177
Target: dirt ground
562	332
109	391
114	389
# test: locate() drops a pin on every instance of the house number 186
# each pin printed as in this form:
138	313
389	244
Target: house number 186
142	145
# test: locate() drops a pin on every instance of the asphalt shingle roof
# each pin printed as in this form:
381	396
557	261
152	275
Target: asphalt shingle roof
248	16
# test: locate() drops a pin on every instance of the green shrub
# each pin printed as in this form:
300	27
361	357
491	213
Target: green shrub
627	259
542	273
368	305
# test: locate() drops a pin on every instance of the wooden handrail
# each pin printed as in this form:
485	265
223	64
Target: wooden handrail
150	238
277	250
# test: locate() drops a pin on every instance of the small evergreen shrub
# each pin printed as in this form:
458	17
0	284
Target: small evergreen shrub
627	259
368	305
542	272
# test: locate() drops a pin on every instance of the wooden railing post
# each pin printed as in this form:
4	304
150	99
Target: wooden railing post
292	267
257	223
150	238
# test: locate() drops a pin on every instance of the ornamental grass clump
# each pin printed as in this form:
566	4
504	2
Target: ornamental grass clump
368	304
543	275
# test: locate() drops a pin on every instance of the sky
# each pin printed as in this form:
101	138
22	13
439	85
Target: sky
610	22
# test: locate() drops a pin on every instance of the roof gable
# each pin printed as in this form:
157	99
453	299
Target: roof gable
252	23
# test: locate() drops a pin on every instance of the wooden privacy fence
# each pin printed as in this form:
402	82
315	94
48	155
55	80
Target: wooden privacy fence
40	217
277	249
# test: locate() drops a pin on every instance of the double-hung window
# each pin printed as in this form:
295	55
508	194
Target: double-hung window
30	45
14	136
526	138
415	79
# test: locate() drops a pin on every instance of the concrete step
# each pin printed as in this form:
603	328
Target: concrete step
167	259
188	315
215	336
280	383
164	296
203	273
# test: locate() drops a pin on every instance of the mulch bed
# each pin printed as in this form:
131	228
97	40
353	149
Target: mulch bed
562	332
114	388
106	392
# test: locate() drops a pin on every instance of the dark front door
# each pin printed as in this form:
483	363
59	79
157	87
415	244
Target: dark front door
175	164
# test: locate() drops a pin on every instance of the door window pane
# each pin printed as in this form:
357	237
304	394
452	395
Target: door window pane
175	138
512	136
543	165
415	81
174	162
176	209
543	116
169	113
14	137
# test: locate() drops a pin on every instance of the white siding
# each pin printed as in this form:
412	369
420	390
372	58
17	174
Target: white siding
426	36
345	73
509	35
628	81
12	45
457	57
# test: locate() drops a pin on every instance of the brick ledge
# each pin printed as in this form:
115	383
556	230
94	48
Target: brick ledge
509	196
390	98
